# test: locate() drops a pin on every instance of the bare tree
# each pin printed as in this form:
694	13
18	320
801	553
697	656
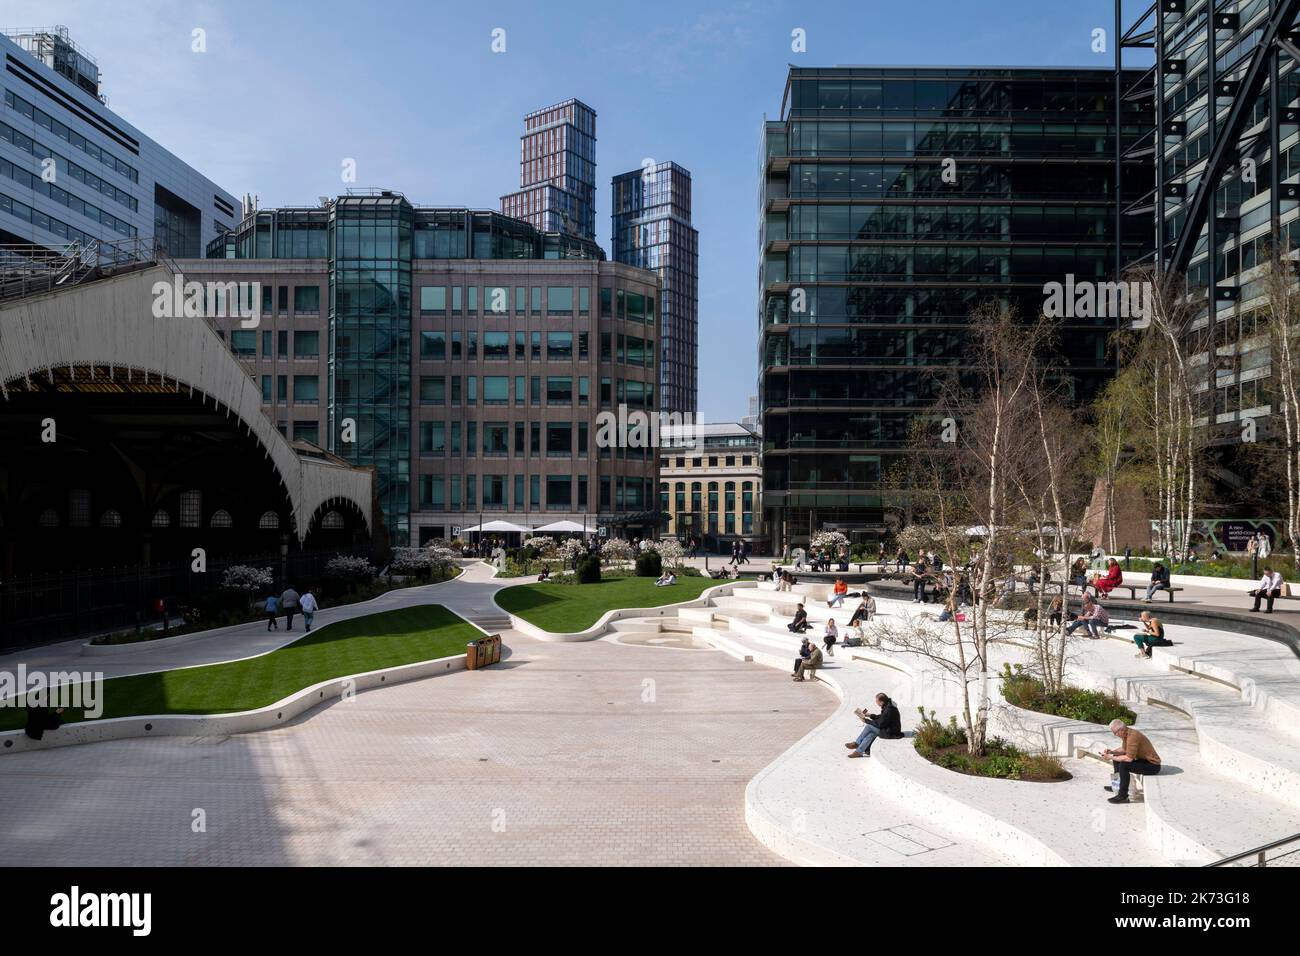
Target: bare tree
1283	318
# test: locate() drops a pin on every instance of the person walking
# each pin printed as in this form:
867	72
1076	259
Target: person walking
309	607
272	608
289	605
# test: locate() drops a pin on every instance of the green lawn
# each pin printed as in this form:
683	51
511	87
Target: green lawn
563	608
354	646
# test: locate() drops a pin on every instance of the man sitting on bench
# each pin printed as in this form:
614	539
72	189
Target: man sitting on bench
800	622
1159	581
809	664
1270	587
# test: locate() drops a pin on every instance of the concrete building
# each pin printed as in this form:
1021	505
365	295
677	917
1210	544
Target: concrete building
711	483
464	354
71	170
557	171
652	230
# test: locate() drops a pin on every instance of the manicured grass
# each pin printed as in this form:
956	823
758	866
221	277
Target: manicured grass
360	644
562	608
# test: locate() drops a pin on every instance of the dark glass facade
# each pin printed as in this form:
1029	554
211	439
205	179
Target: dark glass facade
1217	214
894	202
652	230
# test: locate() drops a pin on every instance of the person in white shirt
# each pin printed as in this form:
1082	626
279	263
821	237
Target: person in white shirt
831	636
666	579
1270	587
307	604
1265	545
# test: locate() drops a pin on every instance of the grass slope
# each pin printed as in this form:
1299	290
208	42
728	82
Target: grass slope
562	608
360	644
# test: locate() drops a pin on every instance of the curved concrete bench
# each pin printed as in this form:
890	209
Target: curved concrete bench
616	614
240	722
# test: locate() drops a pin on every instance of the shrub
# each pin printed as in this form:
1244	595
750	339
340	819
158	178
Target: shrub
830	541
937	743
616	549
649	564
670	550
572	550
241	577
589	570
348	570
411	561
1022	689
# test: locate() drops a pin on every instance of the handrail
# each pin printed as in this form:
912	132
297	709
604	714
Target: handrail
1258	851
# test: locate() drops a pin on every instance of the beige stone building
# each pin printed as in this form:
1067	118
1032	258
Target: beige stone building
711	483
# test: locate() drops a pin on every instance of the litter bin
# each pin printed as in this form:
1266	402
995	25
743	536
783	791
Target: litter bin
481	653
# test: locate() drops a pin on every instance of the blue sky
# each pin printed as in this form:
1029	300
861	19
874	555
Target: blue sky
412	91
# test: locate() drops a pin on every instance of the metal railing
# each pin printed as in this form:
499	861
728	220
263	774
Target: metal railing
1260	853
27	270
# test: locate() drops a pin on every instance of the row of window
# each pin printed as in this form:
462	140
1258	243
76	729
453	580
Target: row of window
20	209
461	492
79	173
560	347
529	390
558	300
728	461
243	342
71	136
306	389
554	439
190	515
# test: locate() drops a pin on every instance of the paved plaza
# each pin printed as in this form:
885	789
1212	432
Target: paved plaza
589	753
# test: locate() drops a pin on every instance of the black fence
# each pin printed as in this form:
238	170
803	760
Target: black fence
50	607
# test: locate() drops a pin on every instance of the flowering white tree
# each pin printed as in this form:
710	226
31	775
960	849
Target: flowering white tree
615	550
541	543
349	569
572	551
241	577
411	561
670	550
830	541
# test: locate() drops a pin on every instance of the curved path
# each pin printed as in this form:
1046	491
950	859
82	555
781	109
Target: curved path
592	753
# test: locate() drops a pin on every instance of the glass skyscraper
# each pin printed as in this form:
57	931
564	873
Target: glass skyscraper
557	171
1227	190
894	202
652	230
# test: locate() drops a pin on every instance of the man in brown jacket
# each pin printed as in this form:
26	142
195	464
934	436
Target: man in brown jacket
809	664
1136	756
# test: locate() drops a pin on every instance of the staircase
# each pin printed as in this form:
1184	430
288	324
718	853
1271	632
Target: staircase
27	270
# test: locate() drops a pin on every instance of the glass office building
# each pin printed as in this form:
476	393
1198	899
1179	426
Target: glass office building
894	201
473	354
1227	190
652	230
557	171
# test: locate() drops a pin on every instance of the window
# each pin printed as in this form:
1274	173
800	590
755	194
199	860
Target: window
496	389
243	342
535	389
221	519
433	345
534	439
520	396
606	349
282	343
191	509
307	431
559	300
433	390
266	345
559	493
537	299
584	300
496	346
161	519
559	390
432	488
559	440
333	521
266	389
520	451
50	519
471	439
520	346
433	298
306	388
584	387
559	346
471	390
496	439
455	389
582	439
306	345
519	504
582	492
535	490
455	439
457	346
606	303
306	298
537	346
433	438
494	491
270	521
79	508
520	301
282	298
111	518
583	350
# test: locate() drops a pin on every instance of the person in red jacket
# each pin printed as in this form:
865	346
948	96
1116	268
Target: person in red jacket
1104	584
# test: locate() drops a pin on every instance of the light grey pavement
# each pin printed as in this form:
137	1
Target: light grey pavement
589	753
